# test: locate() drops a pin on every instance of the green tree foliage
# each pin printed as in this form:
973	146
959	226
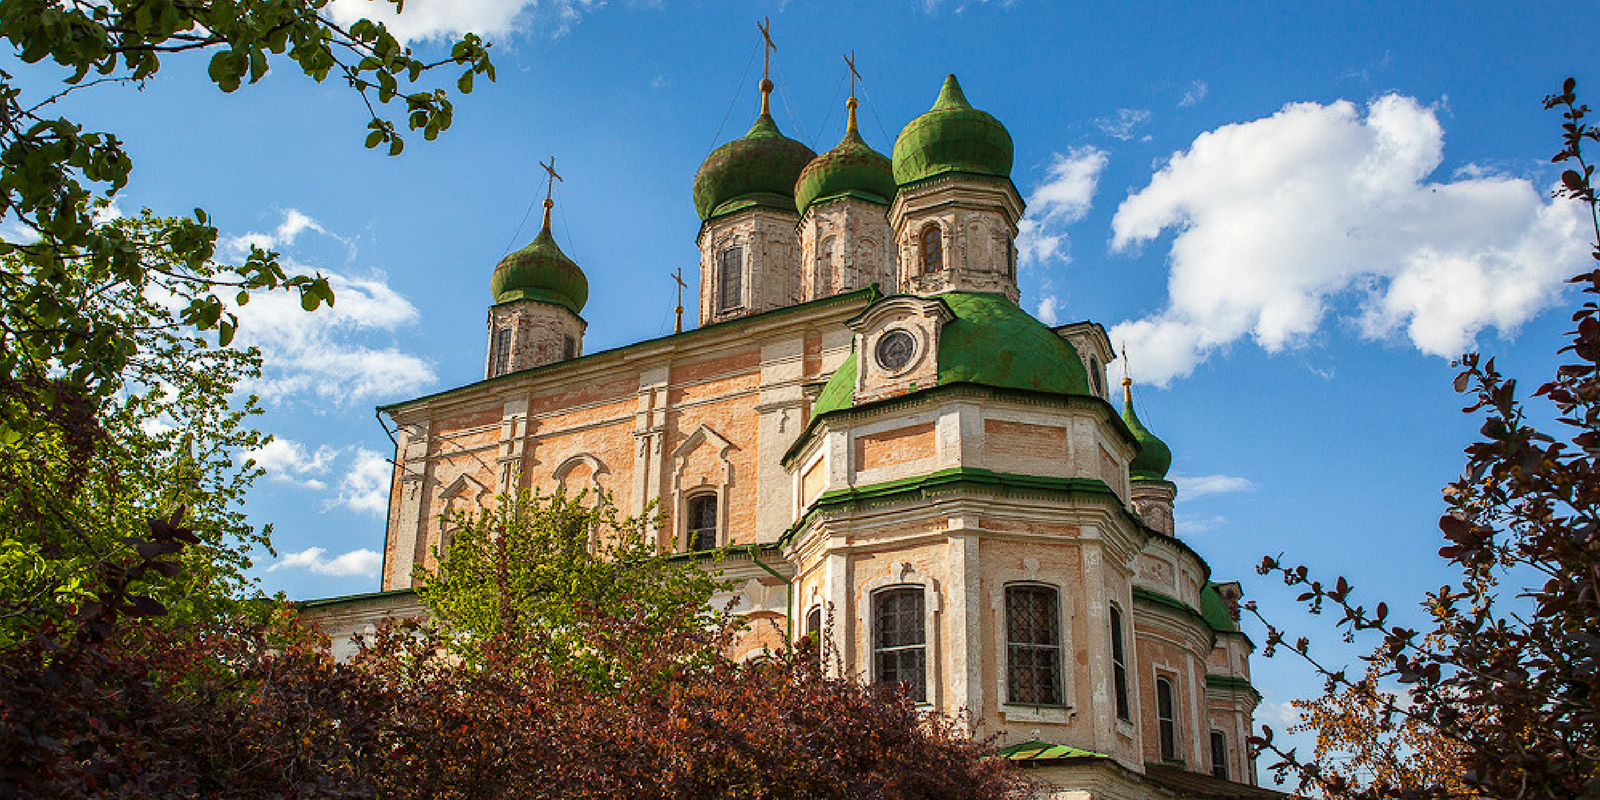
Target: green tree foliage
539	571
1508	678
78	491
52	171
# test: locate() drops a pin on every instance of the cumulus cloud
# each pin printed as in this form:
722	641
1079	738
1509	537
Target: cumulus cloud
1063	198
1196	92
1123	125
295	222
1277	220
1050	310
364	563
365	485
436	19
288	461
1193	486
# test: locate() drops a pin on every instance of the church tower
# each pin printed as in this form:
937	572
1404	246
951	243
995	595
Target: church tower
956	211
744	193
1153	494
843	198
538	295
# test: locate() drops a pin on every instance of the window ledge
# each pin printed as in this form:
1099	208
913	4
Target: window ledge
1125	727
1059	715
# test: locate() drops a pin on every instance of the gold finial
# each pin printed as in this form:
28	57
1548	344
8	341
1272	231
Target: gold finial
678	276
850	61
549	188
765	26
1127	382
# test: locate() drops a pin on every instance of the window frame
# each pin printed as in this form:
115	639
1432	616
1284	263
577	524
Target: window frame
930	249
569	347
1014	648
500	364
1219	753
1119	665
918	688
691	531
730	300
1166	718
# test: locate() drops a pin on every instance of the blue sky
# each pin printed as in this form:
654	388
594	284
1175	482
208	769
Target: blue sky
1291	214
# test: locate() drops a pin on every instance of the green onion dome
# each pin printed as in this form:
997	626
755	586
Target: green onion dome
1154	458
851	169
759	169
952	137
542	273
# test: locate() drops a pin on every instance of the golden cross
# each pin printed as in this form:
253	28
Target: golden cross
678	276
765	27
550	183
850	61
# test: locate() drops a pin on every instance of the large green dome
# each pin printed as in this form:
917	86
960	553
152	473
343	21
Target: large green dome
759	169
1154	458
952	137
990	342
542	273
850	169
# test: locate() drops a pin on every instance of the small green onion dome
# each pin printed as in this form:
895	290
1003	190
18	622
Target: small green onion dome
852	168
952	137
1154	458
759	169
542	273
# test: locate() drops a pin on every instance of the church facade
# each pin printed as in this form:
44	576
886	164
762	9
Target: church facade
878	445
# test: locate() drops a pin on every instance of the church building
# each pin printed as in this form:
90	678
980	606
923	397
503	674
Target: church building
871	438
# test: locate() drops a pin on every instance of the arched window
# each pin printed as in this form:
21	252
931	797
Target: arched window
899	640
703	522
825	267
730	279
1119	666
1167	718
814	621
1096	381
1033	646
1219	754
930	248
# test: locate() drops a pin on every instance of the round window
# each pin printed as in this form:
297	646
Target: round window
895	350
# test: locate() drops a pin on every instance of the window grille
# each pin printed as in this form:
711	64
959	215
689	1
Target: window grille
931	249
1167	719
1033	646
730	274
899	640
1119	666
1219	754
502	352
703	522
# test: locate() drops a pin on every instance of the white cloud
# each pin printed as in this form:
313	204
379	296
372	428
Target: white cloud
1276	219
1275	713
363	562
1050	310
295	222
433	19
1196	92
1193	486
287	461
1063	198
365	485
1188	526
1122	126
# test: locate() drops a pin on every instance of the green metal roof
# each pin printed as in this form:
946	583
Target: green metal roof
542	273
989	342
852	169
1154	458
1044	751
759	169
952	137
1215	610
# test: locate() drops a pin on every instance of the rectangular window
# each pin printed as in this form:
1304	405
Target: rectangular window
899	638
703	522
1219	754
1119	666
502	352
569	348
1167	719
730	279
1033	646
